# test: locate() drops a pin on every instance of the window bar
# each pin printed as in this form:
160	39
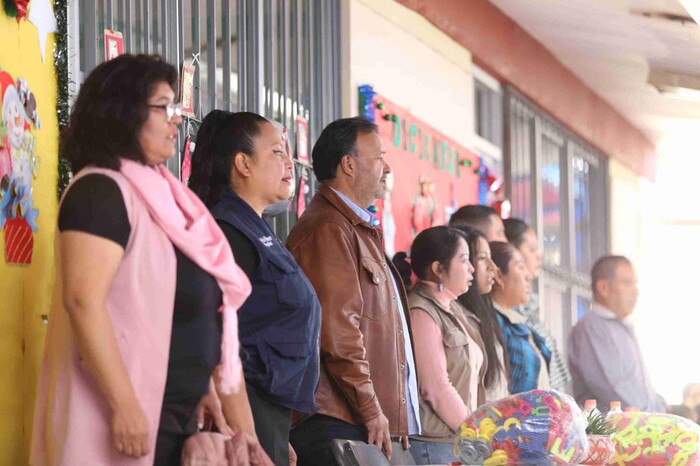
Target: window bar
128	24
321	50
535	150
326	66
138	27
311	46
241	45
336	65
74	72
120	21
508	157
91	36
568	208
268	79
283	63
226	52
180	13
196	50
109	15
257	57
146	26
296	60
211	54
165	29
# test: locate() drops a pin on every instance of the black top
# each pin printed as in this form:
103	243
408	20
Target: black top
244	251
94	204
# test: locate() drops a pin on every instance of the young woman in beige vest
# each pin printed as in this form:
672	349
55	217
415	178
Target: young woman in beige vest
449	351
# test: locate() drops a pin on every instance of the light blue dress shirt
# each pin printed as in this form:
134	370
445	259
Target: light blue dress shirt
411	382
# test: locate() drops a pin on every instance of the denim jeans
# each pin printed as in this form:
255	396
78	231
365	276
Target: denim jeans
432	452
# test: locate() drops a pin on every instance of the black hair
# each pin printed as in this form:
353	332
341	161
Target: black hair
473	215
481	306
337	140
502	253
403	265
110	110
221	136
439	244
605	268
515	231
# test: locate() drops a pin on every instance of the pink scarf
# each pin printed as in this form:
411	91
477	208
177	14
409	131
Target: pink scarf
191	228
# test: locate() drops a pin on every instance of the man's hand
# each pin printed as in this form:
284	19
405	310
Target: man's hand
378	434
404	442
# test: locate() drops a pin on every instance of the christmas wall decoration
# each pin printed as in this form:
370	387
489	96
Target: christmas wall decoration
19	165
432	174
42	16
492	190
16	9
29	105
114	44
303	165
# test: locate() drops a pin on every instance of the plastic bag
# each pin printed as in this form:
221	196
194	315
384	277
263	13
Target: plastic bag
535	427
655	439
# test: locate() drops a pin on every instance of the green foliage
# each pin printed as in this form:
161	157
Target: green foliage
597	425
60	56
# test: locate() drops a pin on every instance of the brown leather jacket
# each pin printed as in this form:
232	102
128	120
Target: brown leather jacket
363	362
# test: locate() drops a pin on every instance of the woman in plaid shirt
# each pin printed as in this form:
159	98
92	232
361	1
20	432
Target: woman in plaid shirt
528	354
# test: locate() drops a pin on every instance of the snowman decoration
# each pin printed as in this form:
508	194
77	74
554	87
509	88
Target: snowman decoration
18	168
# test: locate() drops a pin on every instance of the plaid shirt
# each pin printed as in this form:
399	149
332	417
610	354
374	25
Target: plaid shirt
559	374
525	363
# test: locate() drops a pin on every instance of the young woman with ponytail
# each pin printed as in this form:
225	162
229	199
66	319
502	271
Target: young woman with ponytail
450	359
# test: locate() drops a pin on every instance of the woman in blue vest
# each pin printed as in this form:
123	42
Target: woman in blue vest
239	168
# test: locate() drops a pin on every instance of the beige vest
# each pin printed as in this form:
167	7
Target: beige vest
452	323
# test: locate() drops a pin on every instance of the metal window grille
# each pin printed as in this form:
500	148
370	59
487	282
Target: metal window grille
558	184
278	58
488	108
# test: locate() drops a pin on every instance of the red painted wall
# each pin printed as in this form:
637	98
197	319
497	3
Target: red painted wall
507	51
428	181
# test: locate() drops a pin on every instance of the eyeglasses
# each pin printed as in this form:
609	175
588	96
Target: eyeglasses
170	109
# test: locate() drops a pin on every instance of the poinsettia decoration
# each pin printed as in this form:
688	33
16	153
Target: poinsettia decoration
16	9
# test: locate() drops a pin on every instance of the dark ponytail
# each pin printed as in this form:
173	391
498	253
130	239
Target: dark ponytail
403	265
221	136
481	307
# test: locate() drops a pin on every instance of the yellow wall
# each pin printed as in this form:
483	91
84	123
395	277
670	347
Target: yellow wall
25	289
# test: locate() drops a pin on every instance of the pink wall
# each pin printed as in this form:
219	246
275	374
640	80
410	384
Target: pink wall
507	51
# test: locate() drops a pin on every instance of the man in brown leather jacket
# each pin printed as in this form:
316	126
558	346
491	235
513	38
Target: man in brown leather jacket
367	388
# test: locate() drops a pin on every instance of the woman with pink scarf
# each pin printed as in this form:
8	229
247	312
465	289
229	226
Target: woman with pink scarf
143	325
